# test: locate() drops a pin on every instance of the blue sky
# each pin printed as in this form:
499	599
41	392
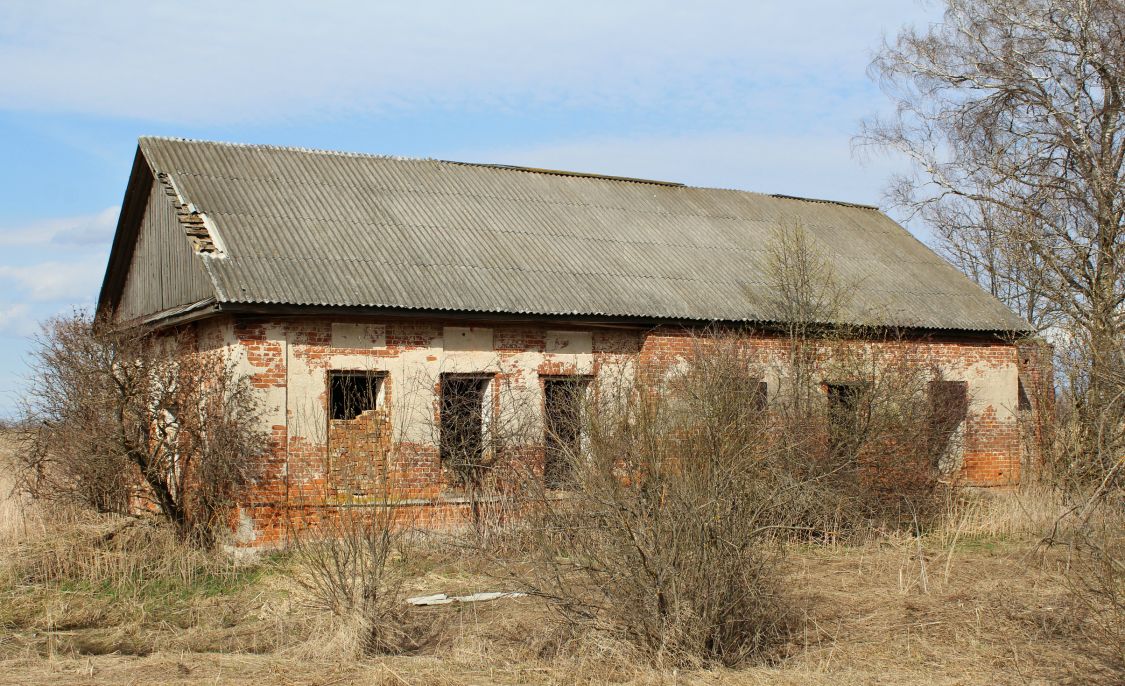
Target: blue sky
759	95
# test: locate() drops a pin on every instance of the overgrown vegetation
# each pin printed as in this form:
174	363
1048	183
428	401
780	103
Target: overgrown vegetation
689	481
1013	112
353	567
681	540
121	419
966	599
698	520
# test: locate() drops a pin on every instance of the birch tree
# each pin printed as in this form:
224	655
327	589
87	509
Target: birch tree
1011	112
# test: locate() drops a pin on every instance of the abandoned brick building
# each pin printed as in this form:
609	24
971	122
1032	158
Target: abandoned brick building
413	285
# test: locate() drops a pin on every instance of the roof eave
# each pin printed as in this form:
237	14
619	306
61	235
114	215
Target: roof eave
285	309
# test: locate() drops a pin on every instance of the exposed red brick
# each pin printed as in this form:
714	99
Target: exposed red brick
359	461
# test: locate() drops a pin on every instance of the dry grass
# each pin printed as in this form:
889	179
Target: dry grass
13	508
975	602
996	619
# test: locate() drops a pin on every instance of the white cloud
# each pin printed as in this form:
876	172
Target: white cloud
55	281
213	61
17	319
51	263
81	232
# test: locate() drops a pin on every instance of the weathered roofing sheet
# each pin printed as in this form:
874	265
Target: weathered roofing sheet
304	227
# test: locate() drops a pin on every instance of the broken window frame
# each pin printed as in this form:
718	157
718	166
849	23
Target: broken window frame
347	405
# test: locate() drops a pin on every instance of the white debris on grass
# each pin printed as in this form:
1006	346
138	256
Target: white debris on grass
443	599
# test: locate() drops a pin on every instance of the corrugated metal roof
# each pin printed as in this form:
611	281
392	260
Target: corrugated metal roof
307	227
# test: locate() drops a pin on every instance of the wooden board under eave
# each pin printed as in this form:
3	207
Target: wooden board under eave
165	272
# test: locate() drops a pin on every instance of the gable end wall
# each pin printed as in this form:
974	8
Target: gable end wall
165	272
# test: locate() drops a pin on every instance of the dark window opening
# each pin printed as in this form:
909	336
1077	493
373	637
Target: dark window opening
353	393
949	401
949	405
843	417
761	396
1024	401
462	418
562	404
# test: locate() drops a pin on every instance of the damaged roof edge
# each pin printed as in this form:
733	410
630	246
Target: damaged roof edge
183	314
142	179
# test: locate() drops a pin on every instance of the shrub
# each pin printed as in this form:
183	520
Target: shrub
688	480
663	537
126	418
351	567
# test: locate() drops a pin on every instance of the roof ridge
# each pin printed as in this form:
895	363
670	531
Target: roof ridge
845	203
289	148
567	172
502	167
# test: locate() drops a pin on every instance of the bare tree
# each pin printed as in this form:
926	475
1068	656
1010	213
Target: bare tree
974	237
126	417
807	298
1012	112
871	427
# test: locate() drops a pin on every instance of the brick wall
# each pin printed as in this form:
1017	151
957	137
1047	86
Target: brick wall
991	446
1037	401
389	455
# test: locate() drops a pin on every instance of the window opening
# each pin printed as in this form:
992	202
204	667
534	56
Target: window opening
761	396
1024	401
843	417
562	404
949	406
353	393
462	418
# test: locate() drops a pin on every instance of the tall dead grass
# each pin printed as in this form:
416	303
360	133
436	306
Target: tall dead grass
73	580
13	504
66	546
352	568
1025	513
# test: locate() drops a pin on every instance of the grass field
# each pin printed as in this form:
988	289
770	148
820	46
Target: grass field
92	601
